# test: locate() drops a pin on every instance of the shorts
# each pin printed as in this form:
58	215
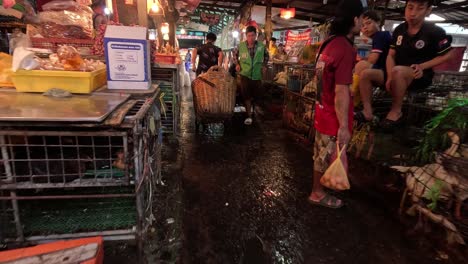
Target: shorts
324	146
251	89
421	83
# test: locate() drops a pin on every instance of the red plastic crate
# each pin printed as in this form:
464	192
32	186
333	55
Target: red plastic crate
165	59
54	43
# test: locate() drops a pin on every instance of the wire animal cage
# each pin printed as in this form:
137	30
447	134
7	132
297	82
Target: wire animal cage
298	114
446	86
438	185
301	79
167	79
61	181
273	69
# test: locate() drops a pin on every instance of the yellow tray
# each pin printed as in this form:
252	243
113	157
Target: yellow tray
74	82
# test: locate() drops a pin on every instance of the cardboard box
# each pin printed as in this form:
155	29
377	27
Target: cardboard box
127	54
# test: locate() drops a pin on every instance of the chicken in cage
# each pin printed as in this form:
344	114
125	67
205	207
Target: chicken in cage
300	79
438	181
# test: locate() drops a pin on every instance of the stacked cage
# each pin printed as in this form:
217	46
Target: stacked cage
424	104
80	180
167	79
299	101
301	79
436	176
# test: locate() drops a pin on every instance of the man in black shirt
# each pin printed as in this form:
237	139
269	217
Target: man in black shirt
209	55
417	46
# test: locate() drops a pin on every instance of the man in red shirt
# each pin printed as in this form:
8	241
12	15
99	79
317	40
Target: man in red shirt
334	112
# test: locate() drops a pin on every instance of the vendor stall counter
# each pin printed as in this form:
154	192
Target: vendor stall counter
89	174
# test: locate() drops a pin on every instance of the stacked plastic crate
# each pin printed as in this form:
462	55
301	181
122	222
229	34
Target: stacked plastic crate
167	79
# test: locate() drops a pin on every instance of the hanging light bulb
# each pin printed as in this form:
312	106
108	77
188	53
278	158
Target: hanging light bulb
165	28
107	11
287	13
235	34
182	31
154	7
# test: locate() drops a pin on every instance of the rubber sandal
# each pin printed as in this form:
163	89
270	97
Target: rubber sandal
325	202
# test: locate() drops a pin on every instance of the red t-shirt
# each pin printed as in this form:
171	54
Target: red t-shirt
334	67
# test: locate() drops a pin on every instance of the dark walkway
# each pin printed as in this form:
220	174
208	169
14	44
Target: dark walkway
241	198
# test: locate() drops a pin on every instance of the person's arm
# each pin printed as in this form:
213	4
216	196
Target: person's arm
235	59
266	58
220	58
373	58
390	65
343	79
342	100
390	61
437	60
194	59
444	52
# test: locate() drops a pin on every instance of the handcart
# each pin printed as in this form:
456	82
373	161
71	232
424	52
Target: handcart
214	96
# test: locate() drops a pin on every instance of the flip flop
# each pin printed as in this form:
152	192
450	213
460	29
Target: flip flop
325	202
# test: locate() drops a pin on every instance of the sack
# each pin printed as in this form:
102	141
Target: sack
336	176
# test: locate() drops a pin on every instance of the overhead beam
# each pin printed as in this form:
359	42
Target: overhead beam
220	5
232	13
291	28
443	7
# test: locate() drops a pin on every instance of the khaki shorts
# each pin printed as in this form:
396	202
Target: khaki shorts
324	146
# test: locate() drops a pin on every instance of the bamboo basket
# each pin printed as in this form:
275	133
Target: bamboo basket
214	94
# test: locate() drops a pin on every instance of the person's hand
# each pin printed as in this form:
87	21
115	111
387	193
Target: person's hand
343	136
417	71
238	68
388	85
194	68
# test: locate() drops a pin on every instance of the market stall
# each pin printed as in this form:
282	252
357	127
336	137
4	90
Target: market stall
82	120
95	166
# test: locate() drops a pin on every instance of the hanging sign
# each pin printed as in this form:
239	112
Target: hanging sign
191	5
209	19
295	41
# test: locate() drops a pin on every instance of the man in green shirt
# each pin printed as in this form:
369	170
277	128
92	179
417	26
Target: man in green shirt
251	62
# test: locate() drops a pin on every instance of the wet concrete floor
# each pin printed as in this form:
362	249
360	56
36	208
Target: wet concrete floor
243	199
239	195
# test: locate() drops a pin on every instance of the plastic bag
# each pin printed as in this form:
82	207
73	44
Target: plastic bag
59	5
19	39
336	176
66	19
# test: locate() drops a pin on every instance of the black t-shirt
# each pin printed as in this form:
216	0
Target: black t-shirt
208	56
431	41
380	44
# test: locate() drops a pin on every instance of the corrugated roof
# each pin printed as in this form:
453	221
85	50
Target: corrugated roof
454	11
